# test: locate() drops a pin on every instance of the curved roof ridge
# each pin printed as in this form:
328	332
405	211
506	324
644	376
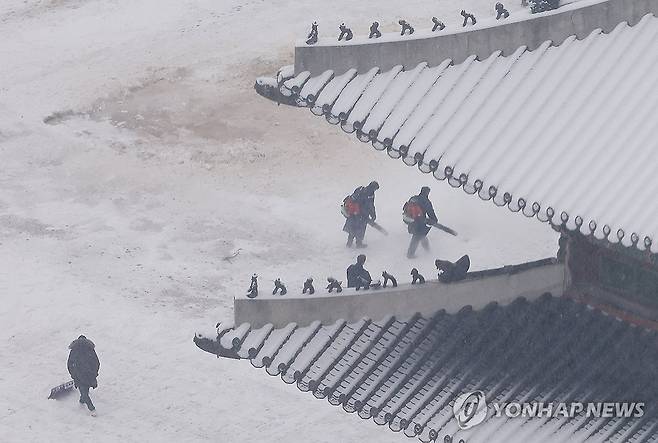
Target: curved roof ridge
482	39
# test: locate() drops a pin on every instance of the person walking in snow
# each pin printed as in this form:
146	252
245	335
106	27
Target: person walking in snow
83	366
418	214
359	209
357	276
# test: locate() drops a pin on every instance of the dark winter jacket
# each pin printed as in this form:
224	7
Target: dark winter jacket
367	200
420	227
83	362
357	276
356	224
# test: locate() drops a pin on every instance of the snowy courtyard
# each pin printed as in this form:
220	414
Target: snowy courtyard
136	159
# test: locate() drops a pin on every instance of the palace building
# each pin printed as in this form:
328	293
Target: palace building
554	116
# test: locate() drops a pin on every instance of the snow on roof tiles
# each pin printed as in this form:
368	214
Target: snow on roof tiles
566	133
406	373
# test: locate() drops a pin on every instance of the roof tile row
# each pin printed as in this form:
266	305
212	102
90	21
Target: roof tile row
565	133
406	373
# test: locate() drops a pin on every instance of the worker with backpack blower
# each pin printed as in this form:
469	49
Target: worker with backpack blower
418	214
359	210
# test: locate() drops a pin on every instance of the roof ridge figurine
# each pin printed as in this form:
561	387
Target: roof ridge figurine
406	27
468	16
334	284
417	277
312	37
252	292
345	32
308	286
374	30
501	12
437	24
278	286
388	277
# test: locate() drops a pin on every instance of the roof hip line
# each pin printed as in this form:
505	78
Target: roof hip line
579	19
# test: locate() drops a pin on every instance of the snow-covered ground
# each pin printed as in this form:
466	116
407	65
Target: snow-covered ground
134	156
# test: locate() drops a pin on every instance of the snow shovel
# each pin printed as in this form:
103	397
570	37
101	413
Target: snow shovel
60	390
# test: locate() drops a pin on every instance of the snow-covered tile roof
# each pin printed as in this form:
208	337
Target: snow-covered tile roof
566	133
406	373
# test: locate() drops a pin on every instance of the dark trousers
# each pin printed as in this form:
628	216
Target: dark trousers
359	238
413	245
84	397
356	229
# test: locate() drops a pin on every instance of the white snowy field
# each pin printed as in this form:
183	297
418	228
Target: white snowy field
134	156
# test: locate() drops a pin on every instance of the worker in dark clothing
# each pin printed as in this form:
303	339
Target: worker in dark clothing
83	366
418	214
359	209
357	276
356	219
368	198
